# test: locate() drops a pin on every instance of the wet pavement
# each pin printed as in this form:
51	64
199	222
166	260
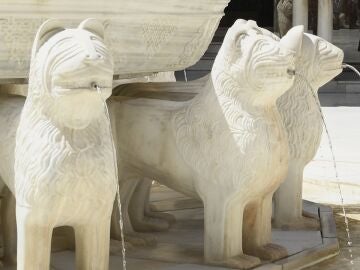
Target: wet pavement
342	261
321	186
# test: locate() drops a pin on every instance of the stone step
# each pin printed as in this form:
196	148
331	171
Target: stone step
214	47
203	64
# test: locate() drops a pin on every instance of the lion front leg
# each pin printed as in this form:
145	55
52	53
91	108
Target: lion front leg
93	244
257	231
34	233
128	183
223	233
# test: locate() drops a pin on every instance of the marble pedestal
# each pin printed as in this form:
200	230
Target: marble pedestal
181	248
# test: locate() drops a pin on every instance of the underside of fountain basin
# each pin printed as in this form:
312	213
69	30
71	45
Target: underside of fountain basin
144	36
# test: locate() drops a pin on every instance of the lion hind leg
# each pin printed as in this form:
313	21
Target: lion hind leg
257	231
223	233
93	245
128	183
142	218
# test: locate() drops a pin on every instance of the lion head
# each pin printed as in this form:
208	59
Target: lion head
68	66
320	61
257	63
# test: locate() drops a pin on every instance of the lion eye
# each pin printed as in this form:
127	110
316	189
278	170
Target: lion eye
322	45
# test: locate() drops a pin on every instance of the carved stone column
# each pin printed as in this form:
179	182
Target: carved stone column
301	13
325	19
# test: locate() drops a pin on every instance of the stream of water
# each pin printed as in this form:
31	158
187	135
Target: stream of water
185	75
121	222
346	221
352	68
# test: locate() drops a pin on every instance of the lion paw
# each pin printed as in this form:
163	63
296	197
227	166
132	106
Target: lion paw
269	252
116	247
141	239
161	215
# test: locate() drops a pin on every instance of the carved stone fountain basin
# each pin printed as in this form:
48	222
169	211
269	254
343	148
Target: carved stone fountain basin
144	36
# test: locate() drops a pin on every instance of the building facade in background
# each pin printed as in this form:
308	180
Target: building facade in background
335	20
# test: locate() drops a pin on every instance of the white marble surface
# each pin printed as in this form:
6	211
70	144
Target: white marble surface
295	242
144	36
66	261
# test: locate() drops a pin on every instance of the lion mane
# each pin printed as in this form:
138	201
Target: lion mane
57	157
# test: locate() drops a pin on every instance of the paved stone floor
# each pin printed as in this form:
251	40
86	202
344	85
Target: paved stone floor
182	248
320	184
342	261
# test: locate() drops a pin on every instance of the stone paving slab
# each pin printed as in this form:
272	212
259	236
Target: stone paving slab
311	256
311	208
342	261
328	226
66	261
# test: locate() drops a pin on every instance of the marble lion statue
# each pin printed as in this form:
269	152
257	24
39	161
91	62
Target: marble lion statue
64	170
222	146
318	63
12	101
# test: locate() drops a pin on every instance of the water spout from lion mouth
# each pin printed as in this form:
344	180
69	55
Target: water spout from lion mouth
95	86
291	72
344	65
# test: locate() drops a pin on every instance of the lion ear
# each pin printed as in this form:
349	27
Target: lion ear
94	26
293	39
48	29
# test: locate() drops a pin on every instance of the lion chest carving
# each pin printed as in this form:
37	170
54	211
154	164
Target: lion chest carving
319	62
226	146
64	164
